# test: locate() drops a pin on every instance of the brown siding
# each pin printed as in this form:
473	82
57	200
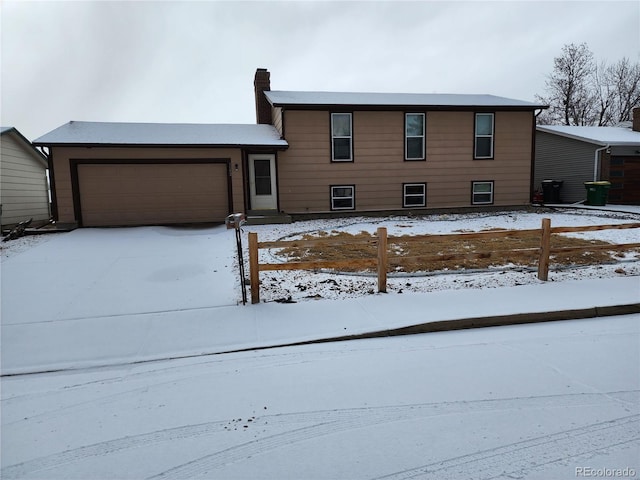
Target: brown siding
379	169
62	168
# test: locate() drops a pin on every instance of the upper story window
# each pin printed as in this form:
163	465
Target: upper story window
483	145
341	137
414	136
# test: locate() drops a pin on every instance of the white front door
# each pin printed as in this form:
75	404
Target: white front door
262	182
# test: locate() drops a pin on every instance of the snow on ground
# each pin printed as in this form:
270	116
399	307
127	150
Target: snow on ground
13	247
306	285
532	402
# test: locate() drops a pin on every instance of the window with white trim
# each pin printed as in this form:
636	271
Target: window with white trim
482	193
341	137
414	195
343	197
414	136
483	144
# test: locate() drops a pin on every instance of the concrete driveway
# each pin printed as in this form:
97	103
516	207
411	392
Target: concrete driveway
121	271
97	295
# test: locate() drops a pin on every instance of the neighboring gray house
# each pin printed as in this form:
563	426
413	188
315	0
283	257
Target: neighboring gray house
24	189
576	155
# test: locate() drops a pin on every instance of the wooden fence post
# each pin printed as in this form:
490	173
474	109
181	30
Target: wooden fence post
254	277
382	259
545	246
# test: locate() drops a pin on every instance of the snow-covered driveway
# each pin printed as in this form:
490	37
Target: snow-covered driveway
531	401
91	273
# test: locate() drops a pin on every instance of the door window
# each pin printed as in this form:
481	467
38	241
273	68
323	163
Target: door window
262	171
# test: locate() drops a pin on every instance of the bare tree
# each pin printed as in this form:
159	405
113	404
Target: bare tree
605	93
568	86
583	92
625	78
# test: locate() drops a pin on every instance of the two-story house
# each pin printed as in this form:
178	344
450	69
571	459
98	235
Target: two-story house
310	153
382	151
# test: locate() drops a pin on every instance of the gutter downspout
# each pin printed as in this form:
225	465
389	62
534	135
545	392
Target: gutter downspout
595	161
532	172
53	198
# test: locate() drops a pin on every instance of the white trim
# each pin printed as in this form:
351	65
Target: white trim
423	194
350	137
407	137
474	193
352	197
476	136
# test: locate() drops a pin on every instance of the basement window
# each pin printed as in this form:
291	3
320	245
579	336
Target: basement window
482	193
414	195
343	197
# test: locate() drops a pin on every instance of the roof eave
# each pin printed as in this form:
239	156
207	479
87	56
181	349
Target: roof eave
162	145
593	141
377	107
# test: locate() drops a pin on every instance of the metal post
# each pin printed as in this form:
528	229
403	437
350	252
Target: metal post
254	267
235	221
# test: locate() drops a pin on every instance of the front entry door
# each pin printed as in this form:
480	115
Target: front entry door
262	182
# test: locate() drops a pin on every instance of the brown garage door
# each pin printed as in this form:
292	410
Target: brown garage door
624	174
152	194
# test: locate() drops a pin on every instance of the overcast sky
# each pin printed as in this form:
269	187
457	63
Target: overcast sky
194	62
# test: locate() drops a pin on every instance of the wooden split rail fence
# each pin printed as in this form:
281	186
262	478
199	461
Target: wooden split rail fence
381	261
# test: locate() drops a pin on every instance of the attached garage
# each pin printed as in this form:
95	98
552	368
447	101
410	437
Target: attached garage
123	194
130	174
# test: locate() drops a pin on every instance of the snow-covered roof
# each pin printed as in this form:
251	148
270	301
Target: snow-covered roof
280	98
615	136
5	129
106	133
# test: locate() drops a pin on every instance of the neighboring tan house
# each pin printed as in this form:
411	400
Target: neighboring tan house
311	153
575	155
23	180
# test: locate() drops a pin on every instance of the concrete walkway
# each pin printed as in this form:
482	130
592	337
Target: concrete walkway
122	339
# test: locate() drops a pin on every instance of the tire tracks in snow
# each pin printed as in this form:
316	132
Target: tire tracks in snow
325	422
523	457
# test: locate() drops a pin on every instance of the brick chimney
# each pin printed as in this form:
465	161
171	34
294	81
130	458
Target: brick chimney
261	84
636	119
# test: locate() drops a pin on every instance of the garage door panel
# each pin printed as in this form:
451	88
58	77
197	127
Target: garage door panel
133	194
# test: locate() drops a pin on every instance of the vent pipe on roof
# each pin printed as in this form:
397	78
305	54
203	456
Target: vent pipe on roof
261	84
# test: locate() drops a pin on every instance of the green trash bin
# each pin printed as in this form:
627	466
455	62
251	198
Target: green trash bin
597	192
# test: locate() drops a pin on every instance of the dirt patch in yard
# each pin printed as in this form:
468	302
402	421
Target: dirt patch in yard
432	253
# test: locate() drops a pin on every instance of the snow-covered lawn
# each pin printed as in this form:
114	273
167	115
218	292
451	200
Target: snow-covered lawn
305	285
532	401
